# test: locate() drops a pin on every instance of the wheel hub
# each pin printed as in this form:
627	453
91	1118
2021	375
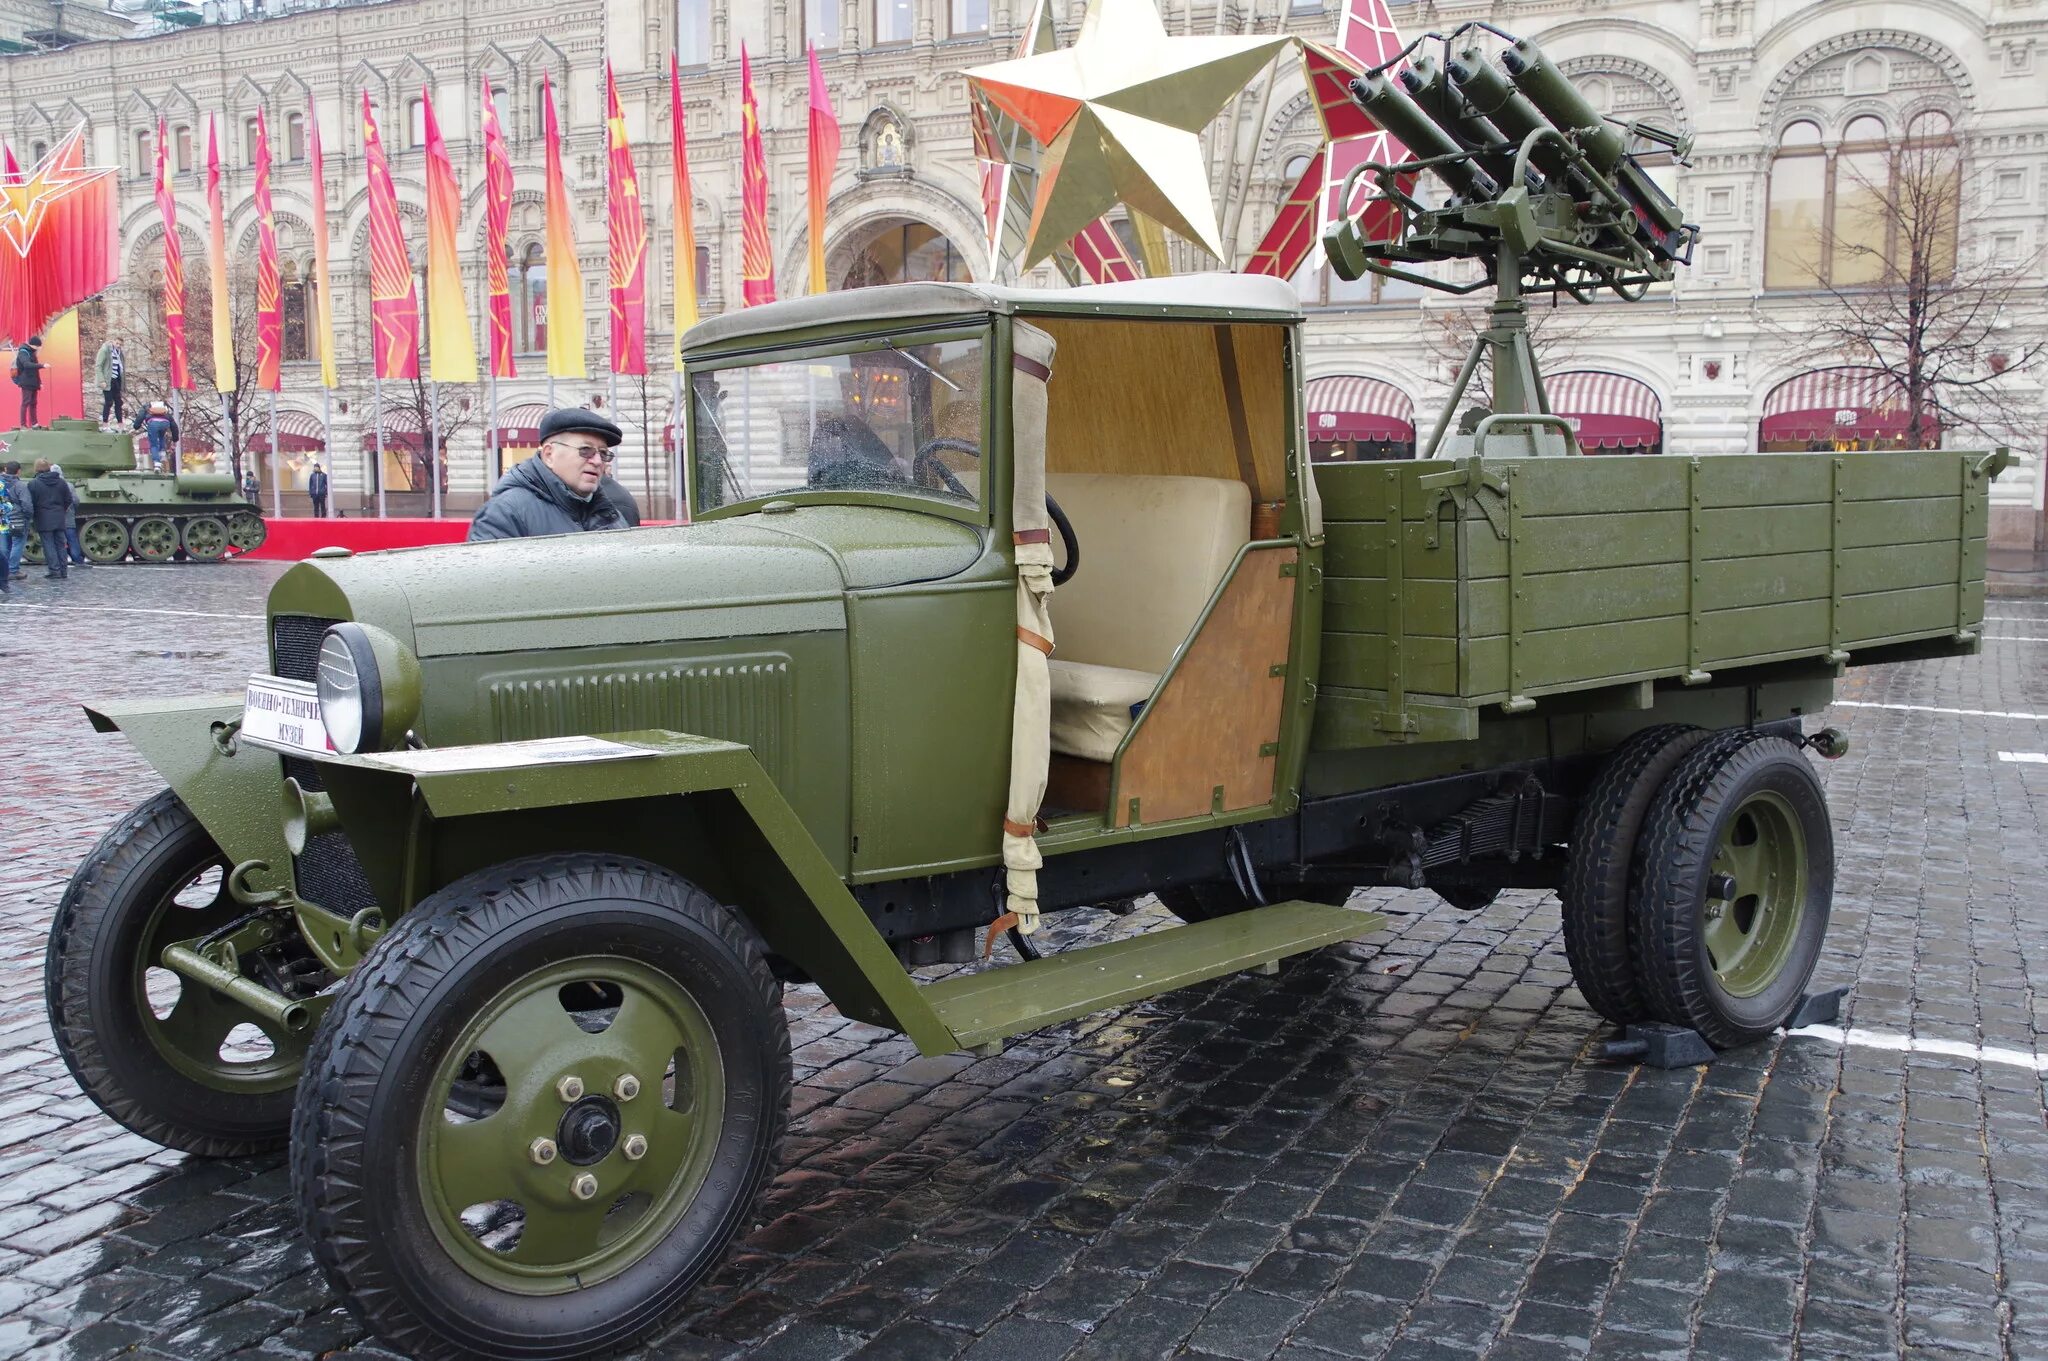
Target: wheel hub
589	1131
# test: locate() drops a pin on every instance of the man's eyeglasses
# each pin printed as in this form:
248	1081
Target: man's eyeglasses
589	453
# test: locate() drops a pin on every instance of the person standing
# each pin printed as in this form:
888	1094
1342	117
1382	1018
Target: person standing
8	532
107	370
316	490
28	376
71	544
555	491
51	499
250	489
19	521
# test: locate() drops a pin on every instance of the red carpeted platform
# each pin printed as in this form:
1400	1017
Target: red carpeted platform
291	539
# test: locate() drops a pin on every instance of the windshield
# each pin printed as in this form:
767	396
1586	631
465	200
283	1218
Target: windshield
898	418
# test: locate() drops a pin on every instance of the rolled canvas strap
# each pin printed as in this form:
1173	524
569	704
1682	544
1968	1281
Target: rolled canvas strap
1023	536
1042	372
1037	640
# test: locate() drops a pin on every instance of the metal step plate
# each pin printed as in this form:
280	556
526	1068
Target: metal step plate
999	1002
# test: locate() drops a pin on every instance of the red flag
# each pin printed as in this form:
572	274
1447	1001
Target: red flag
323	297
269	297
757	265
824	156
394	300
497	221
13	167
628	236
174	267
224	376
685	221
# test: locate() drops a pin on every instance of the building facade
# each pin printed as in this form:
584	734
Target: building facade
1801	115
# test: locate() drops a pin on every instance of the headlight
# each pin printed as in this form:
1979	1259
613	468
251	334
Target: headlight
368	684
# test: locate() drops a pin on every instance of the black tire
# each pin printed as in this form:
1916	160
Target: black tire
1205	902
1739	785
369	1098
1465	897
94	976
1595	897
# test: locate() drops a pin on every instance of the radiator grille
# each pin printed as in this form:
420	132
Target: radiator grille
740	699
329	872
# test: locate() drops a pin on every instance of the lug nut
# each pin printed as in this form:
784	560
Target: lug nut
1721	886
635	1147
585	1186
542	1151
570	1088
627	1087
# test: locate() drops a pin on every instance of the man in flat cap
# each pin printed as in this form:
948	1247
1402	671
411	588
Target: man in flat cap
556	491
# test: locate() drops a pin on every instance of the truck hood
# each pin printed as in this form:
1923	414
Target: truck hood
787	572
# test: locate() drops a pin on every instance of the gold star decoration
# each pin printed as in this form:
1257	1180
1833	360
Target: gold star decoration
1120	115
25	203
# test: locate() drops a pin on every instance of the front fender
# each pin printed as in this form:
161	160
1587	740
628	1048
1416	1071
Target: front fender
700	806
234	797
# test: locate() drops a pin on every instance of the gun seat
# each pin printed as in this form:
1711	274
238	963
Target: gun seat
1153	550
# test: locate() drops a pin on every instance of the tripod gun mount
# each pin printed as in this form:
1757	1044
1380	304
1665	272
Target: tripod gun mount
1541	187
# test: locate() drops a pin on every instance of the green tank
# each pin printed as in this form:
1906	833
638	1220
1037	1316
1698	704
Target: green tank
124	513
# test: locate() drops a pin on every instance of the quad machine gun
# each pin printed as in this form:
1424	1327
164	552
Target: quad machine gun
1541	187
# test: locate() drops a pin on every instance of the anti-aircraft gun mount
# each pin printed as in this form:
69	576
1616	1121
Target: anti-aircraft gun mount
1541	187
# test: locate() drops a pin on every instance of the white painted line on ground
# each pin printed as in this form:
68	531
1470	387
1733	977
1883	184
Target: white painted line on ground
1900	1044
2025	758
2003	638
127	609
1937	709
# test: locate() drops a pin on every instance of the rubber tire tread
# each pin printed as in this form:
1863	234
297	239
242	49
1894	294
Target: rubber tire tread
1676	854
125	849
363	1024
1206	902
1595	896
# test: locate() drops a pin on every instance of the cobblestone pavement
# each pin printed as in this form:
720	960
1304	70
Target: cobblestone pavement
1398	1148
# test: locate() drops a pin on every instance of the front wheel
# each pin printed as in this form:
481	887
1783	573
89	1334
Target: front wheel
172	1060
539	1114
1736	873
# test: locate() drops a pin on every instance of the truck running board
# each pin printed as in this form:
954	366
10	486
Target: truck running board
980	1008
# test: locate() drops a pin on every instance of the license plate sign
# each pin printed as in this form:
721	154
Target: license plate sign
284	714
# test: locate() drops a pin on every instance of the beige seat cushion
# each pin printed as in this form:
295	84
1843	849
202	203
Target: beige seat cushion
1092	706
1152	551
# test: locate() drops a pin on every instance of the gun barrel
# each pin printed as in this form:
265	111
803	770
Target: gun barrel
1552	92
1384	102
1493	98
1427	85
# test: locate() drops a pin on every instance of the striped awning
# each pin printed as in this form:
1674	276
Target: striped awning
1844	403
519	426
1608	410
1350	406
298	432
401	431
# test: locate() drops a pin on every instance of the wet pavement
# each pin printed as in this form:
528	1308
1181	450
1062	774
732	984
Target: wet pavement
1399	1148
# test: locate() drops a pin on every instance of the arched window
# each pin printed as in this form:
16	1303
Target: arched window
292	290
416	122
532	286
1867	208
145	152
693	32
295	137
38	150
1297	166
248	141
181	148
502	103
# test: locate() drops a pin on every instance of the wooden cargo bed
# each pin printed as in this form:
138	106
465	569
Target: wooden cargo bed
1451	585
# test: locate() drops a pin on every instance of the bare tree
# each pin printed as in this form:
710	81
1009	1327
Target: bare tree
1940	316
420	401
1555	334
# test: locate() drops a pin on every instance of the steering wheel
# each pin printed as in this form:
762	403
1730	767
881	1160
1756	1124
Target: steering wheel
1062	575
926	469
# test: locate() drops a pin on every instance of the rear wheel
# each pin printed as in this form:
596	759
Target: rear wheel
1736	881
32	551
103	540
205	539
155	538
540	1113
1204	902
246	531
172	1060
1595	897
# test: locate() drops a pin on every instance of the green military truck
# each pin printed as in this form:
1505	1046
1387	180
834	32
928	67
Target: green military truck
994	604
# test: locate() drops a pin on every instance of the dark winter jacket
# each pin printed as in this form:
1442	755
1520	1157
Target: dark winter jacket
28	370
17	496
316	483
530	500
52	499
614	491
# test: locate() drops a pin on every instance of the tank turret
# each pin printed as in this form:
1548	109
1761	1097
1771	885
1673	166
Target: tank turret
125	512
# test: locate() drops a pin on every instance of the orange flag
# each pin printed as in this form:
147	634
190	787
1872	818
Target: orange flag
217	232
174	268
824	156
757	265
451	348
565	274
269	298
394	302
323	301
497	221
628	223
685	219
